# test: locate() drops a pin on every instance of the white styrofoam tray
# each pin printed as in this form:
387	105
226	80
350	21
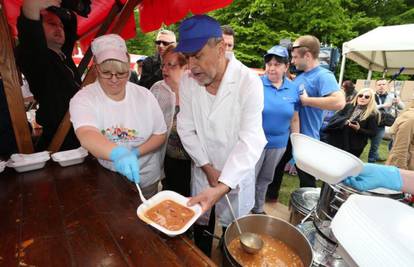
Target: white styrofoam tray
375	231
28	162
28	165
168	195
30	157
323	161
70	157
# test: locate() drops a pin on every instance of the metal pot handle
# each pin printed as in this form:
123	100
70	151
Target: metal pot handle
334	188
308	215
205	232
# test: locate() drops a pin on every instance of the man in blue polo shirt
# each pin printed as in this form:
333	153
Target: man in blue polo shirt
320	91
280	118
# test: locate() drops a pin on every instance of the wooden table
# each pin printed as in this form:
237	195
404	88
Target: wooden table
83	215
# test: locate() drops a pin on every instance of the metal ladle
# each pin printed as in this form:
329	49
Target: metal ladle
250	242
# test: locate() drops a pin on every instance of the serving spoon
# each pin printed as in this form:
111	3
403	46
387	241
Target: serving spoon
250	242
141	196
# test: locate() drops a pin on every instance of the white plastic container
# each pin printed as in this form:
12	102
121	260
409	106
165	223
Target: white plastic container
2	165
30	157
167	195
70	157
323	161
28	165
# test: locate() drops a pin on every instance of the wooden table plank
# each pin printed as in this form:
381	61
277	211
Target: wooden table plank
81	215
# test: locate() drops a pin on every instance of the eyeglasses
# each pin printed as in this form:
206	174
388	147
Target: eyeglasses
164	43
169	65
364	96
108	74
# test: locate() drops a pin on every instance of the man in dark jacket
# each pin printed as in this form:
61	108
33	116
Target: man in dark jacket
44	55
151	69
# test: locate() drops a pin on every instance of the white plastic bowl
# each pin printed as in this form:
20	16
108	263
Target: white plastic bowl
323	161
70	157
167	195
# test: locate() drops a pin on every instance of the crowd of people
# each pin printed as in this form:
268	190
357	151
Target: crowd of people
198	119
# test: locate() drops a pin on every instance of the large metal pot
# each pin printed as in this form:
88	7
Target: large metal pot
331	199
264	224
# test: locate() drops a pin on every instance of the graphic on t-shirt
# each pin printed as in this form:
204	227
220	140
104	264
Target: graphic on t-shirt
121	134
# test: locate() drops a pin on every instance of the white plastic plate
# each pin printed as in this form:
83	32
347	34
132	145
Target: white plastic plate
375	231
167	195
70	157
325	162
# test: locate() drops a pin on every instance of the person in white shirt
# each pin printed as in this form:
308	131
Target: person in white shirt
117	121
220	125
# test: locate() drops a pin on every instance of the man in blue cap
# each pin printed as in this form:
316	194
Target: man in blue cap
220	125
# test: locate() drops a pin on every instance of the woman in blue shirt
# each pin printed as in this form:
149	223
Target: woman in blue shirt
280	118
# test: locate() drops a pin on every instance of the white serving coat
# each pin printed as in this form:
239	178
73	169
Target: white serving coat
227	134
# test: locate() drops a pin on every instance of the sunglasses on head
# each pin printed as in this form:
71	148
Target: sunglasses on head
164	43
364	96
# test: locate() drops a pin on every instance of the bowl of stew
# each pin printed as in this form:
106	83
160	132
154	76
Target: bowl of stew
167	211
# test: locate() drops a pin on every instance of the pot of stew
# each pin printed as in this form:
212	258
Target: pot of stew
284	244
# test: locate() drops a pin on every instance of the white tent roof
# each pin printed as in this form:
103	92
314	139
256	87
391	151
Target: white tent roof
386	47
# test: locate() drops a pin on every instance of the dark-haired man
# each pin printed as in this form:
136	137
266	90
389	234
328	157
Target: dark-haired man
44	55
228	37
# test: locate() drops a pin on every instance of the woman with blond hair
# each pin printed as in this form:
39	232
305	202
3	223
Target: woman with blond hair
402	152
117	121
350	127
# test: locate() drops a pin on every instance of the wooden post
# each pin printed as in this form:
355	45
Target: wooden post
10	76
120	22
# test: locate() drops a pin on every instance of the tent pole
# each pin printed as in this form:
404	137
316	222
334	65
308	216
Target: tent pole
369	75
10	78
341	74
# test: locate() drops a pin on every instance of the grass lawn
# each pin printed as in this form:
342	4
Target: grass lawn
291	183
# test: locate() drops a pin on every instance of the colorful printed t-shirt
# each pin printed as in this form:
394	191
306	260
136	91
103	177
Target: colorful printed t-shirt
129	122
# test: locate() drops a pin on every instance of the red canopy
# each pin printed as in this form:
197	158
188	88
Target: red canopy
153	13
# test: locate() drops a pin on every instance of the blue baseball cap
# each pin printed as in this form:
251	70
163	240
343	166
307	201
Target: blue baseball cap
194	33
279	51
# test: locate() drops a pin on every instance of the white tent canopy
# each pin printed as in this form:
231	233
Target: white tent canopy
384	49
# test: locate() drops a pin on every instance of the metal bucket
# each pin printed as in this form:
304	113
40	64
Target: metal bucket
264	224
324	252
302	202
331	199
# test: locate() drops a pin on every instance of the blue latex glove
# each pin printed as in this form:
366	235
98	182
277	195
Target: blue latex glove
126	163
374	176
